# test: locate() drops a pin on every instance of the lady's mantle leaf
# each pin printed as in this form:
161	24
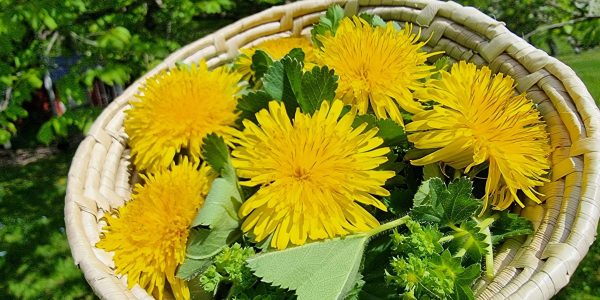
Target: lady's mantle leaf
319	270
446	206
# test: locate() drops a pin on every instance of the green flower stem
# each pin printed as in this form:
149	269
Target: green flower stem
489	256
388	226
484	226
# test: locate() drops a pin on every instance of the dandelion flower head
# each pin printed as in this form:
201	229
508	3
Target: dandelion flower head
477	118
378	67
315	173
176	109
149	233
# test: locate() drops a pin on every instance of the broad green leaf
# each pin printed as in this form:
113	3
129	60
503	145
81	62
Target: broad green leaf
218	219
319	270
317	85
190	268
509	225
446	206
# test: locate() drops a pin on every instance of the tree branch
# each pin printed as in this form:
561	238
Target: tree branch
558	25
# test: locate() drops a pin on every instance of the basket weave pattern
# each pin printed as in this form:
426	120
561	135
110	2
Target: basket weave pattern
535	267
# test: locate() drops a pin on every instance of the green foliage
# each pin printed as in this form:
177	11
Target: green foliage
229	273
114	41
509	225
79	120
217	223
285	81
391	132
261	61
317	85
328	23
422	268
446	206
251	103
318	270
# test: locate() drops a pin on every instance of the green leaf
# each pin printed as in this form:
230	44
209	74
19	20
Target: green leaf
469	242
373	20
283	82
446	206
216	154
509	225
4	136
261	61
392	133
45	134
252	103
319	270
219	220
328	23
192	267
317	85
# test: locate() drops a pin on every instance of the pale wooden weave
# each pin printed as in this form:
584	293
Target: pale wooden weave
536	267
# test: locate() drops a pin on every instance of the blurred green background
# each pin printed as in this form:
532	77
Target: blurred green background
90	50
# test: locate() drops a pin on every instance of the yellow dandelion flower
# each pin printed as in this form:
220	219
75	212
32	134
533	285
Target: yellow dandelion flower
276	49
176	109
477	118
380	66
149	234
314	173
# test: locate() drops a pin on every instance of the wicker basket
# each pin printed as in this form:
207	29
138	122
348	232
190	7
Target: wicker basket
535	267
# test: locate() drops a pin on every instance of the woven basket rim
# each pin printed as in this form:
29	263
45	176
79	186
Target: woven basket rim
537	266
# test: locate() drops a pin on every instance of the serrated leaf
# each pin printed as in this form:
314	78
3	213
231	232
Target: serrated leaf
219	220
317	85
319	270
252	103
283	82
261	61
190	268
446	206
216	154
328	23
509	225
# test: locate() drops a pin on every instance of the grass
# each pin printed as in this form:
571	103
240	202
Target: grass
35	260
586	65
